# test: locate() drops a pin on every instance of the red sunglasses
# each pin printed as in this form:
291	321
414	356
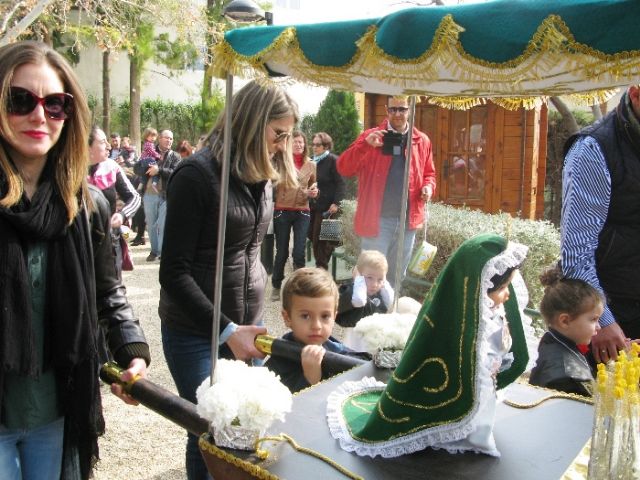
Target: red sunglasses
57	106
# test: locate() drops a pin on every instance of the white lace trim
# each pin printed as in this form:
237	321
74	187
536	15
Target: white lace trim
432	437
522	295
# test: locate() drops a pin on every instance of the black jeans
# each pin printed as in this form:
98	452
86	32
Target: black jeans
283	222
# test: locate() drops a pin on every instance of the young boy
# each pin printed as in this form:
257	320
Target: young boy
309	304
369	293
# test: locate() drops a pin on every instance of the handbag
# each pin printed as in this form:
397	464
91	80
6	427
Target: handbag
127	261
424	254
330	230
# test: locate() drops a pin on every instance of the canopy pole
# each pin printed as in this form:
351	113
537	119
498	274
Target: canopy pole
222	225
403	209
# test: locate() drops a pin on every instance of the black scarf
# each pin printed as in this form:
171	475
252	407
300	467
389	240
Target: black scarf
71	314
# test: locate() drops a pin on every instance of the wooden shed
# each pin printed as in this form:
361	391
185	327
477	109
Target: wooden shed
486	157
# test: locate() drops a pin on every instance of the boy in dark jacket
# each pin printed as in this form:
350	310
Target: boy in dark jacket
309	305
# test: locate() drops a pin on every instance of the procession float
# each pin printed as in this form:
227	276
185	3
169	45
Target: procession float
514	53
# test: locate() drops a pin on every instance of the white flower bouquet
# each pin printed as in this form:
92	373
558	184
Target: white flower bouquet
242	402
385	335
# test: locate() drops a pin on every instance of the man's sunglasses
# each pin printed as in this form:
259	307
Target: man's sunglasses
57	106
397	109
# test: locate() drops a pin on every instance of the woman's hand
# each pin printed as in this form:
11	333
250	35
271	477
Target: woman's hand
241	342
313	191
116	220
333	208
137	368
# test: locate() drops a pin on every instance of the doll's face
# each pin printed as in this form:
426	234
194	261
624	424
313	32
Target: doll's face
501	294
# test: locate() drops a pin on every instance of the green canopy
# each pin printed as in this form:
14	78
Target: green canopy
515	52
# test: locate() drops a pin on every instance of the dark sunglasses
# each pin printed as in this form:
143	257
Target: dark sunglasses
58	106
318	144
397	109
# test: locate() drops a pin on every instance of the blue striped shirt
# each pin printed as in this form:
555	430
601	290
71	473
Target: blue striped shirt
586	191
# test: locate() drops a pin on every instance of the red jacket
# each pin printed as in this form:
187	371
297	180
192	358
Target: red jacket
372	167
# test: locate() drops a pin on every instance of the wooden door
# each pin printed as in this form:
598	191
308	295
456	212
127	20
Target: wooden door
464	165
460	153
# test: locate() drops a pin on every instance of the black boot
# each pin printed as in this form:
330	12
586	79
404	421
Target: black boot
138	241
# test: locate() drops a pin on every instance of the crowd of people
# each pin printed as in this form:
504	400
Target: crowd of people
67	191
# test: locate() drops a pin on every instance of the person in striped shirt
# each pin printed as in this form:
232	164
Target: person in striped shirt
600	225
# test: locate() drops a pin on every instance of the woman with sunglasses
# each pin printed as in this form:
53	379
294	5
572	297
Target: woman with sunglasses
57	275
262	118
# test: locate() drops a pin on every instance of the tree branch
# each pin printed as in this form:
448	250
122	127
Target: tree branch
10	14
23	24
568	119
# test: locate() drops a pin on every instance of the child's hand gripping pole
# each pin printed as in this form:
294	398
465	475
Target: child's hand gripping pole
332	363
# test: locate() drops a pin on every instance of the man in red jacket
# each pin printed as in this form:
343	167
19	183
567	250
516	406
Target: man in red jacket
380	183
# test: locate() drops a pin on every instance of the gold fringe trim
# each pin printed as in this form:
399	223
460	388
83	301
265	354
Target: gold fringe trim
552	394
456	103
283	437
250	468
552	53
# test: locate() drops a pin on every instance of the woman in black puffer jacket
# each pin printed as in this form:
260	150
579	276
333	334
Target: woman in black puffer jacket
262	121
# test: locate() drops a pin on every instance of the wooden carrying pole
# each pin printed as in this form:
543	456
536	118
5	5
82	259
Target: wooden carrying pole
172	407
332	363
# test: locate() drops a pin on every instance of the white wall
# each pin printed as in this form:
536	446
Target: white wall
157	81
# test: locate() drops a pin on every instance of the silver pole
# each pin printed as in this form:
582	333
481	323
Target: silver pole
222	224
403	208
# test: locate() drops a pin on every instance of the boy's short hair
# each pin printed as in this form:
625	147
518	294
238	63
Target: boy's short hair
309	282
372	259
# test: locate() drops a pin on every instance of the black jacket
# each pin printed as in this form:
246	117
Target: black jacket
122	330
331	186
189	248
561	366
348	315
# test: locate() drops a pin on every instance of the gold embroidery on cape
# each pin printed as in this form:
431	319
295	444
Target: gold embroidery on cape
362	405
459	391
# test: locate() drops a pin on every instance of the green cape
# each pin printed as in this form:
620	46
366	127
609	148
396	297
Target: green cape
435	393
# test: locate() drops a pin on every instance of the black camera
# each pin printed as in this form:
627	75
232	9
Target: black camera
392	143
